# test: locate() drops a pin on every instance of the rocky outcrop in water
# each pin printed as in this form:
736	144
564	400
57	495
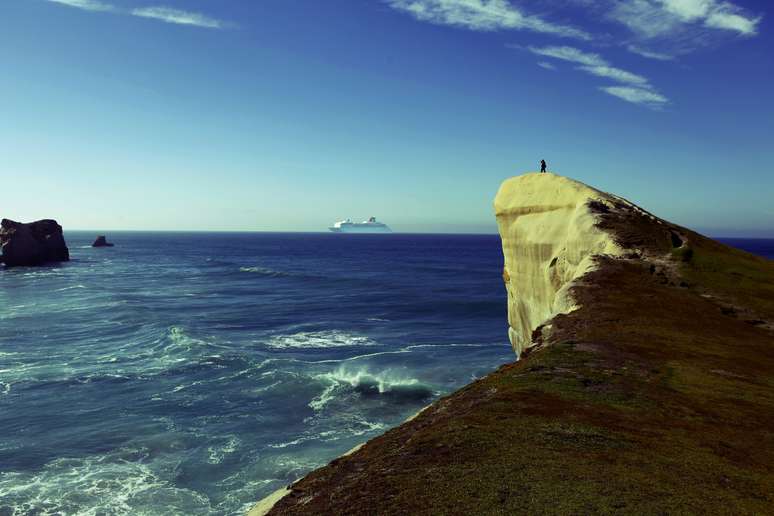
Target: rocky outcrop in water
33	243
101	241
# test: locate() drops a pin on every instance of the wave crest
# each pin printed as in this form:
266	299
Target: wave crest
388	383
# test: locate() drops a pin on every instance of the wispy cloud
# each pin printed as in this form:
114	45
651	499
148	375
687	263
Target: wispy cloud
728	17
644	52
170	15
637	95
483	15
637	89
660	18
162	13
616	74
86	5
546	65
590	63
570	54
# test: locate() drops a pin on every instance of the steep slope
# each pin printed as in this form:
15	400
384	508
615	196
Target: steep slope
655	394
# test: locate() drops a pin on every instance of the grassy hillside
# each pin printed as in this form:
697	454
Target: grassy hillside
657	396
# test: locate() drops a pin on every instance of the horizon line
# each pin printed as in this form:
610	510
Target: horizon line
710	235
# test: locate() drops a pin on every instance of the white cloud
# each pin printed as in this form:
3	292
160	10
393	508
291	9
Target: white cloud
165	14
634	49
482	15
87	5
590	63
725	17
546	65
645	18
571	54
667	18
637	88
688	10
636	95
616	74
170	15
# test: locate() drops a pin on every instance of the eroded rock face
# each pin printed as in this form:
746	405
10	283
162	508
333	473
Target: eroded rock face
33	243
549	240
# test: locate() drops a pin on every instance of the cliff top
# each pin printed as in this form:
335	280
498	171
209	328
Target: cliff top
652	396
534	188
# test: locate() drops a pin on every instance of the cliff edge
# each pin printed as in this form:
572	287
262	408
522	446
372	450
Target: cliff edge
644	385
550	239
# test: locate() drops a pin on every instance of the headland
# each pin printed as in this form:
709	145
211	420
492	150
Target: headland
643	385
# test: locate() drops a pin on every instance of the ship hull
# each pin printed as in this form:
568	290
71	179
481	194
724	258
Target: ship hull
361	229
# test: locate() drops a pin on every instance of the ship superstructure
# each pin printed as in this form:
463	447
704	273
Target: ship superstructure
367	226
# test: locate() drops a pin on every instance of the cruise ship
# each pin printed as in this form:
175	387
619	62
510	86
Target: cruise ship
367	226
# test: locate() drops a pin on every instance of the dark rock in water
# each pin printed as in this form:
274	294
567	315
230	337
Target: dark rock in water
101	241
33	243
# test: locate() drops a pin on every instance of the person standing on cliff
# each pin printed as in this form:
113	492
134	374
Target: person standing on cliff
542	166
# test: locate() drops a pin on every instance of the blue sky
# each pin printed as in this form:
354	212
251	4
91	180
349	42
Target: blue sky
291	114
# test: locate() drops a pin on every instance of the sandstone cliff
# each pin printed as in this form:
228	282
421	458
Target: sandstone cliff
644	384
550	238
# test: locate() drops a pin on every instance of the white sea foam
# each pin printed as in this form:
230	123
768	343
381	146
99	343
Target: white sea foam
261	270
363	426
291	466
258	390
265	271
384	381
416	346
292	443
319	339
327	395
105	484
71	287
354	426
216	454
352	359
364	382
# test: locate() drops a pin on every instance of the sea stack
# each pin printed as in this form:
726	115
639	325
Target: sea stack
101	241
643	384
33	243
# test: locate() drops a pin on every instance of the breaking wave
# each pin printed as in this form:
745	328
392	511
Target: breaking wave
389	384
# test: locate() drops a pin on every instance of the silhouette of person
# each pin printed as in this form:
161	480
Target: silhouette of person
542	165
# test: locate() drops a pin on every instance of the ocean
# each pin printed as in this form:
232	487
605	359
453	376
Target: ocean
194	373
